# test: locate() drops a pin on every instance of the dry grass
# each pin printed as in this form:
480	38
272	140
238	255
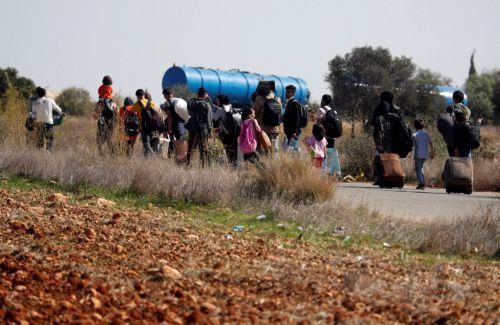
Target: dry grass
289	179
148	176
289	188
477	233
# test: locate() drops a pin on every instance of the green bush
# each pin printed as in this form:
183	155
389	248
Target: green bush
75	101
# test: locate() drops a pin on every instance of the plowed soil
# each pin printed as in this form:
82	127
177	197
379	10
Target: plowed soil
76	262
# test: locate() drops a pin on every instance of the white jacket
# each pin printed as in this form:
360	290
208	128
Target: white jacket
43	110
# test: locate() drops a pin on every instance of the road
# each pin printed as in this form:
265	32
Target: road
416	204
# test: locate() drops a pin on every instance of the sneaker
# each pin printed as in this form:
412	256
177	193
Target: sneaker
421	187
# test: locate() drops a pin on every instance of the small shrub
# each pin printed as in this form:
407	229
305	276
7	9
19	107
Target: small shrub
75	101
291	179
356	153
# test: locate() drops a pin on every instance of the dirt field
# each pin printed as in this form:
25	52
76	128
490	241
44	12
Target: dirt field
64	260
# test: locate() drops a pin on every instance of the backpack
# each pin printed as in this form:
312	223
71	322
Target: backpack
445	127
151	120
303	114
271	113
402	141
248	137
332	124
107	109
131	124
231	126
475	137
200	114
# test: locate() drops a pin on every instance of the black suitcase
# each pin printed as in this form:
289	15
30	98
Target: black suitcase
458	175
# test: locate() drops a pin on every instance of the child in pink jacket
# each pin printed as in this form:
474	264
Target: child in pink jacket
316	145
248	135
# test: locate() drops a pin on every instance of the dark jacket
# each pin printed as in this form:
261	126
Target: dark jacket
200	115
462	135
291	118
150	122
381	120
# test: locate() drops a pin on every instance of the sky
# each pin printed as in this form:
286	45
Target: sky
63	43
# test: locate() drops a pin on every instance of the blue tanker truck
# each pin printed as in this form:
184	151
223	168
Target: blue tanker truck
238	85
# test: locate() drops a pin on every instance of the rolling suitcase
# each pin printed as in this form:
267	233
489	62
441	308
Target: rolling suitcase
389	170
457	175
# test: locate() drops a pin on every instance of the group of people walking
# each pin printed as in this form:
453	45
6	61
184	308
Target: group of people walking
255	132
265	128
394	140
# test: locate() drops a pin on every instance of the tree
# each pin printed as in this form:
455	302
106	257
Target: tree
75	101
357	79
472	68
479	90
496	102
421	96
9	77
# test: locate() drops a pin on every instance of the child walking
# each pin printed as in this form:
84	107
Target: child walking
248	135
316	145
423	151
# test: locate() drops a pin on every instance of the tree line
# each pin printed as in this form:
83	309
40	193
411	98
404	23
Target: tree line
355	80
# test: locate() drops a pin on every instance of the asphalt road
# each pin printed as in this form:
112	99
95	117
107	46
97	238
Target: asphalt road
416	204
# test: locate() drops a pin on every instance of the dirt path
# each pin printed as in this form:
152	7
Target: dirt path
411	203
75	262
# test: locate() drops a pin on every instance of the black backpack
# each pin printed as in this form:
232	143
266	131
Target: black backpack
445	127
475	137
332	124
231	126
131	124
200	115
107	109
402	136
151	120
303	114
271	113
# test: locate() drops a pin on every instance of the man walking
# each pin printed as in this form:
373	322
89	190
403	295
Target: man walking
268	111
148	115
446	121
43	112
292	119
199	126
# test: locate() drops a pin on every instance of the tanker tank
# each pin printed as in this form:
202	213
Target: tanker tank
447	93
237	85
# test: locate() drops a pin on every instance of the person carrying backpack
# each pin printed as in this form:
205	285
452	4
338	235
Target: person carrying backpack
151	123
268	112
392	137
130	125
294	119
465	136
199	126
176	112
330	120
43	109
105	113
229	128
446	121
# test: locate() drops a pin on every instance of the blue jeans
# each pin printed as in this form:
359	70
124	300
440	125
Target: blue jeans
331	164
419	170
